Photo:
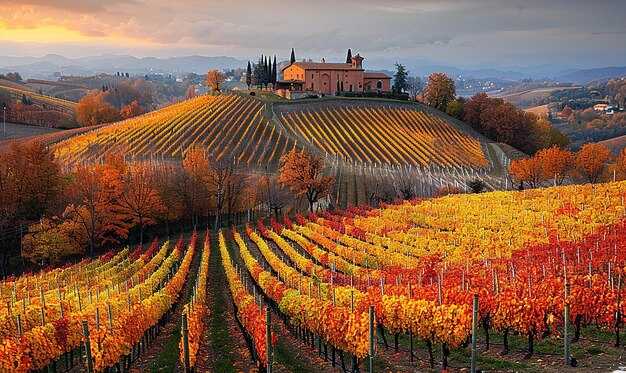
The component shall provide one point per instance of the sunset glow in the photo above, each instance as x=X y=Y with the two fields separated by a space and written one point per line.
x=449 y=30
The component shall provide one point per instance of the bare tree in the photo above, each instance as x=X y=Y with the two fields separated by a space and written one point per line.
x=234 y=191
x=378 y=188
x=414 y=86
x=274 y=195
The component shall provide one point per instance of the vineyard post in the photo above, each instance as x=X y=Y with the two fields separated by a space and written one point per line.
x=565 y=326
x=371 y=335
x=87 y=347
x=185 y=335
x=474 y=331
x=19 y=326
x=268 y=338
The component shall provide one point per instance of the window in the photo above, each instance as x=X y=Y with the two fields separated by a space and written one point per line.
x=312 y=76
x=379 y=85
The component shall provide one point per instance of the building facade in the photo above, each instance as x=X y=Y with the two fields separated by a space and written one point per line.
x=328 y=78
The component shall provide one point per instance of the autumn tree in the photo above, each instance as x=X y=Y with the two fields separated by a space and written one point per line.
x=591 y=161
x=92 y=110
x=192 y=185
x=527 y=170
x=92 y=210
x=47 y=243
x=556 y=163
x=167 y=178
x=214 y=79
x=475 y=107
x=303 y=174
x=9 y=210
x=502 y=122
x=35 y=177
x=139 y=202
x=190 y=92
x=131 y=110
x=440 y=91
x=456 y=108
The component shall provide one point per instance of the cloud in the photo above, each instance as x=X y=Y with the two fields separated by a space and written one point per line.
x=494 y=29
x=609 y=32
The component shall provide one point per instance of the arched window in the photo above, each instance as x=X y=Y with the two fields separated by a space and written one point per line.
x=379 y=85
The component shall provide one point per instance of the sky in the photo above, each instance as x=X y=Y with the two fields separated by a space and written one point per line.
x=571 y=33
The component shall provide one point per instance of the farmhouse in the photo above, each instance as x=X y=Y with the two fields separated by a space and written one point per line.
x=601 y=107
x=328 y=78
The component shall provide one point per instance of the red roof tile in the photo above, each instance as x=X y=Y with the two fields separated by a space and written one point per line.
x=375 y=76
x=324 y=66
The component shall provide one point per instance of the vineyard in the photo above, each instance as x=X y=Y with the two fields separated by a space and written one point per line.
x=227 y=126
x=114 y=304
x=16 y=91
x=385 y=135
x=411 y=286
x=255 y=134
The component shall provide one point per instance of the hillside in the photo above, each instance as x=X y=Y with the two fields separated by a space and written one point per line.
x=378 y=132
x=616 y=144
x=16 y=90
x=255 y=133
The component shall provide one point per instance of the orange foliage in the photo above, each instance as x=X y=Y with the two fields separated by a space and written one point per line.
x=591 y=161
x=214 y=79
x=92 y=110
x=302 y=172
x=555 y=162
x=131 y=110
x=526 y=170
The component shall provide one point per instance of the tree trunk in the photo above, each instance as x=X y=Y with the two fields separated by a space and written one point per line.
x=486 y=328
x=505 y=340
x=577 y=322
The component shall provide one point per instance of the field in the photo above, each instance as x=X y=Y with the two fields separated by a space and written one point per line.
x=540 y=111
x=19 y=131
x=413 y=268
x=528 y=95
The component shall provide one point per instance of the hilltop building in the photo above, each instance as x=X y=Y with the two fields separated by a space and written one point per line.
x=329 y=78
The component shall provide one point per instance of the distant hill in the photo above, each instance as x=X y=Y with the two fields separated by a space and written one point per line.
x=255 y=133
x=44 y=67
x=589 y=75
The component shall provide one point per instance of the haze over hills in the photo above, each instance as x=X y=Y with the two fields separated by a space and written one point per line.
x=46 y=66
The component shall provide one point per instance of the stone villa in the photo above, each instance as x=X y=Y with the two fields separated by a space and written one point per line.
x=329 y=78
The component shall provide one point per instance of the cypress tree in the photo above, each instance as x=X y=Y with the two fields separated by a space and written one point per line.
x=293 y=56
x=267 y=73
x=249 y=75
x=349 y=57
x=274 y=72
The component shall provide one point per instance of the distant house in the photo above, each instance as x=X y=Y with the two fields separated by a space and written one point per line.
x=328 y=78
x=601 y=107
